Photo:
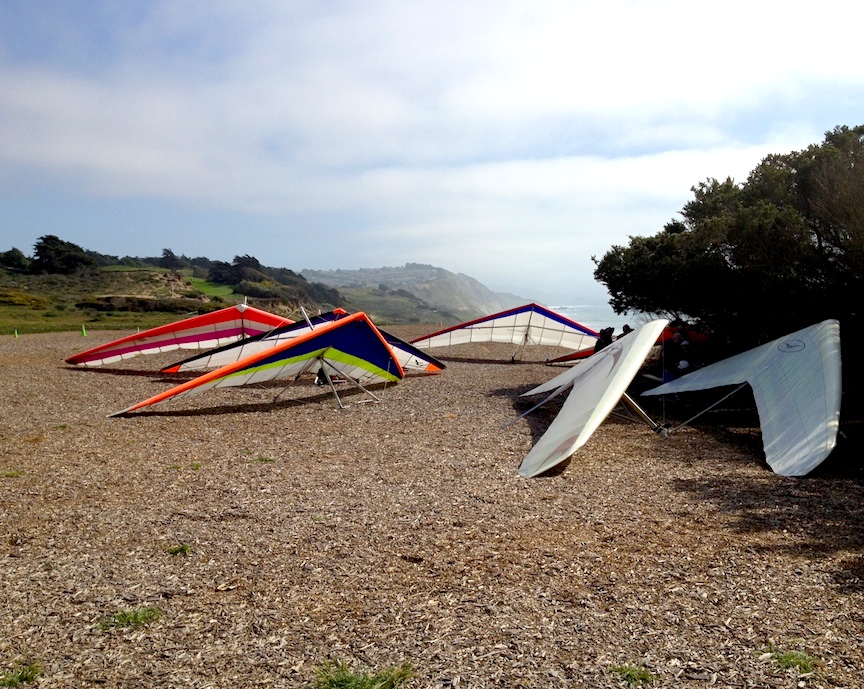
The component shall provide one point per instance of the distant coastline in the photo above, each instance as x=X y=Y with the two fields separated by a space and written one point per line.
x=598 y=316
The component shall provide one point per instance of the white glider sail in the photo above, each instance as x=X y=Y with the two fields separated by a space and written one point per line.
x=796 y=382
x=530 y=324
x=596 y=386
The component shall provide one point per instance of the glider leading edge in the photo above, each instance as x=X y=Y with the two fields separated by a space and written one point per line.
x=796 y=382
x=596 y=386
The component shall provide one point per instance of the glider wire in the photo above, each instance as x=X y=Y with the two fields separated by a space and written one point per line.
x=707 y=409
x=537 y=406
x=305 y=369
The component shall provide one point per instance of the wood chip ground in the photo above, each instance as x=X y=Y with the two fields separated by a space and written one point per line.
x=399 y=531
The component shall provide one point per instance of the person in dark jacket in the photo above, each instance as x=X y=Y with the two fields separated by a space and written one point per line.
x=604 y=340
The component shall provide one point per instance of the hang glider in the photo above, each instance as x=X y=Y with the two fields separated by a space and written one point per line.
x=595 y=387
x=530 y=324
x=350 y=347
x=796 y=383
x=235 y=351
x=409 y=357
x=199 y=332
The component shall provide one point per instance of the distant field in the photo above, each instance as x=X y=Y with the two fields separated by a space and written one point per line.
x=211 y=289
x=25 y=320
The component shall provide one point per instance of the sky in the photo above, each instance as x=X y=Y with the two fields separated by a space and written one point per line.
x=509 y=141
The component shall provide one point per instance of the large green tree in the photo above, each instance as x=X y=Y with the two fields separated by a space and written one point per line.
x=54 y=255
x=759 y=259
x=14 y=259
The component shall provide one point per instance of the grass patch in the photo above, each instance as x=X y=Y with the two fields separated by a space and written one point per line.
x=182 y=549
x=799 y=660
x=262 y=460
x=211 y=289
x=635 y=674
x=21 y=673
x=131 y=618
x=11 y=474
x=196 y=466
x=335 y=674
x=11 y=297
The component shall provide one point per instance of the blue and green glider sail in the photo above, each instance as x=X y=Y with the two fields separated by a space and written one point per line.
x=351 y=347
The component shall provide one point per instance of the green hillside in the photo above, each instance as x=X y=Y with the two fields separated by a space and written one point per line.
x=104 y=299
x=65 y=287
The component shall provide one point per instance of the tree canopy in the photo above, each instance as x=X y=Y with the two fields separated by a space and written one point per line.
x=54 y=255
x=758 y=259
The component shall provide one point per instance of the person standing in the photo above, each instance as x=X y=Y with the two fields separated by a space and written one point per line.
x=672 y=357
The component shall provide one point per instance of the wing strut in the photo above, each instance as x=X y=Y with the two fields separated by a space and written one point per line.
x=305 y=369
x=660 y=430
x=325 y=365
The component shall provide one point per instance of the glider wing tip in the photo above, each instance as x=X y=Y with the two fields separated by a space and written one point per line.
x=530 y=472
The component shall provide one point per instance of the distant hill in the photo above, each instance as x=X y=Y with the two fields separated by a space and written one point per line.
x=452 y=293
x=64 y=284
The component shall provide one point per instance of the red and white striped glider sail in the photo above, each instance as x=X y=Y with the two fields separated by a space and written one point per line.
x=199 y=332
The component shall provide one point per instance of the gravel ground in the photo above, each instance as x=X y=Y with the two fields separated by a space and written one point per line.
x=399 y=531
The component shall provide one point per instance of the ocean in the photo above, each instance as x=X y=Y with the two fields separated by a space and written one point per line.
x=598 y=316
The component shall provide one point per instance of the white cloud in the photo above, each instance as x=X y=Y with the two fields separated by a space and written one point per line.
x=497 y=139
